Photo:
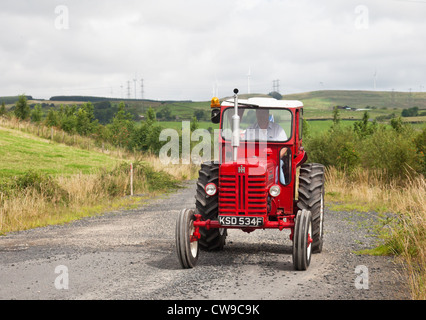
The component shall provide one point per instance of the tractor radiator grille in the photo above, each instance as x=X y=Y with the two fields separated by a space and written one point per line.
x=242 y=194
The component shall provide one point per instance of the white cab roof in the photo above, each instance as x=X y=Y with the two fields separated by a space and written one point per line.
x=265 y=103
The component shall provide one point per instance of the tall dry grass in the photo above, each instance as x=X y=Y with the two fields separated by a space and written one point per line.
x=36 y=200
x=406 y=235
x=30 y=208
x=179 y=171
x=71 y=197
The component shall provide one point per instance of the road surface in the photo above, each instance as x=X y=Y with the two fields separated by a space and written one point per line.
x=131 y=255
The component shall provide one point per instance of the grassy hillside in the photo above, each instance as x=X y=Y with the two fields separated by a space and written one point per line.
x=319 y=104
x=360 y=99
x=45 y=182
x=20 y=152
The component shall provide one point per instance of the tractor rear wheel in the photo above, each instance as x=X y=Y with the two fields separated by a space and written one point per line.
x=207 y=206
x=302 y=241
x=186 y=245
x=311 y=197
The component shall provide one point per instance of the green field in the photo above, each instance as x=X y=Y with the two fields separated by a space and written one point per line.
x=20 y=152
x=315 y=126
x=320 y=104
x=177 y=125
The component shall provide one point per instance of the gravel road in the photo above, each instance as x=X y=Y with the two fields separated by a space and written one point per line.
x=131 y=255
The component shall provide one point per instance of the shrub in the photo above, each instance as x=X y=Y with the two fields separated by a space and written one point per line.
x=399 y=151
x=364 y=128
x=420 y=142
x=36 y=114
x=145 y=178
x=45 y=185
x=393 y=152
x=336 y=147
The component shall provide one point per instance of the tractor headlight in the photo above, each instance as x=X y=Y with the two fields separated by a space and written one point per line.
x=275 y=190
x=211 y=189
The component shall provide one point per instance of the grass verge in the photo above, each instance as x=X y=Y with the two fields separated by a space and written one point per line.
x=46 y=182
x=35 y=199
x=403 y=232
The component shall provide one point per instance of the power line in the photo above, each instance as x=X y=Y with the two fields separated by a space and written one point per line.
x=128 y=89
x=276 y=86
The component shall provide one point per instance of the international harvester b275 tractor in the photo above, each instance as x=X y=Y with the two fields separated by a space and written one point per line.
x=261 y=181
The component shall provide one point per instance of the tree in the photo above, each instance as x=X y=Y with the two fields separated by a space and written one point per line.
x=122 y=114
x=410 y=112
x=305 y=128
x=166 y=113
x=397 y=124
x=276 y=95
x=336 y=116
x=83 y=125
x=69 y=123
x=68 y=118
x=85 y=120
x=364 y=128
x=122 y=128
x=147 y=136
x=52 y=119
x=150 y=115
x=199 y=114
x=22 y=110
x=154 y=142
x=90 y=111
x=194 y=124
x=2 y=109
x=36 y=114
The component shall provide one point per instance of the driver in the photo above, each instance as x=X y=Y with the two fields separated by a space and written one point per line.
x=265 y=130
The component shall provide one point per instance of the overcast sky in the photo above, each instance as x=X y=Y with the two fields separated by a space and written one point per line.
x=184 y=49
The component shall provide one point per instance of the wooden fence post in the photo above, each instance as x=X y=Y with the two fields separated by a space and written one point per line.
x=131 y=179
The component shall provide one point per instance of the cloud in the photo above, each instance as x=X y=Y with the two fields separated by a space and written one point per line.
x=181 y=48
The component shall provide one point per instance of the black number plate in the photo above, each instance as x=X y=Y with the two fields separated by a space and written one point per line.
x=236 y=221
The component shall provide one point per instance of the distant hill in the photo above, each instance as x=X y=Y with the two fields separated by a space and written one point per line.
x=97 y=99
x=12 y=99
x=327 y=99
x=318 y=104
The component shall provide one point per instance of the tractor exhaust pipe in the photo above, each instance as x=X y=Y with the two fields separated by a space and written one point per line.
x=235 y=127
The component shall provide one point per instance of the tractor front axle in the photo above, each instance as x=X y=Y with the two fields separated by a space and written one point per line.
x=280 y=224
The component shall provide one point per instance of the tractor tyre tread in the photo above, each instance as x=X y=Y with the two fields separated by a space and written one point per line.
x=311 y=197
x=207 y=206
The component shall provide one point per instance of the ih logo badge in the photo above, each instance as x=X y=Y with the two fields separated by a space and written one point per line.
x=241 y=169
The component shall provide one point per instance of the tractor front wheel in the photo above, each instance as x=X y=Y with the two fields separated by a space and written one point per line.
x=186 y=242
x=212 y=239
x=302 y=240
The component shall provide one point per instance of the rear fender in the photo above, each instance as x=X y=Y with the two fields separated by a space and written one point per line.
x=300 y=159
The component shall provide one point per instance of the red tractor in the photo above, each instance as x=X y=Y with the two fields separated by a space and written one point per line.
x=261 y=181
